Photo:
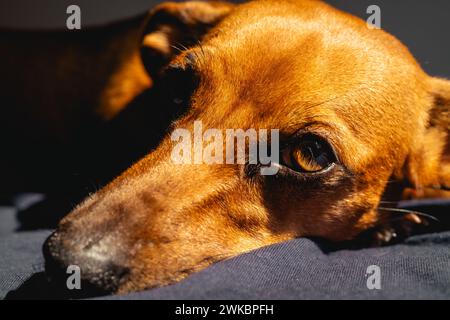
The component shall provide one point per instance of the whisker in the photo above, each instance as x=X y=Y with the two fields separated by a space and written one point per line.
x=197 y=56
x=203 y=55
x=201 y=47
x=176 y=48
x=182 y=46
x=406 y=211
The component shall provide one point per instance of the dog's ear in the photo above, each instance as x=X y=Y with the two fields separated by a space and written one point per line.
x=173 y=26
x=428 y=164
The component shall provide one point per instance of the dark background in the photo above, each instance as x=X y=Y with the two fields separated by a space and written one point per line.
x=301 y=268
x=422 y=25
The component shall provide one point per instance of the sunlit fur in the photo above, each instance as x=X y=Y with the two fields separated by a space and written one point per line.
x=290 y=65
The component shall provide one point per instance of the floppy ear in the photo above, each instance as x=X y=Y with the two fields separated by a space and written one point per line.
x=428 y=165
x=173 y=26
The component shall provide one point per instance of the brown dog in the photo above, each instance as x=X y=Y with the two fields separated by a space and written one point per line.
x=354 y=110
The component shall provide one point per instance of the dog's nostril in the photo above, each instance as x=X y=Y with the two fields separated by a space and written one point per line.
x=99 y=269
x=51 y=252
x=55 y=263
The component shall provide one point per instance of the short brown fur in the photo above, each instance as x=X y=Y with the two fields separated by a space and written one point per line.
x=290 y=65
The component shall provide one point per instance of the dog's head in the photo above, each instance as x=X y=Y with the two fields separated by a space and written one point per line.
x=354 y=111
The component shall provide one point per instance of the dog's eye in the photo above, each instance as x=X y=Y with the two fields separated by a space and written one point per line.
x=312 y=154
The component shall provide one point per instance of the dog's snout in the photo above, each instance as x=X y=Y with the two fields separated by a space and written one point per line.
x=98 y=265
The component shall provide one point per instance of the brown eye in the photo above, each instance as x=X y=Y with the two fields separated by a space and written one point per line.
x=311 y=154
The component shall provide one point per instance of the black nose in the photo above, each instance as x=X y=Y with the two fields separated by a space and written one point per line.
x=98 y=269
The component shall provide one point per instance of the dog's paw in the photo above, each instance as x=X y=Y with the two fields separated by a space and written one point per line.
x=398 y=229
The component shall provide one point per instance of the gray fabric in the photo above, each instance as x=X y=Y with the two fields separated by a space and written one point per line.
x=20 y=252
x=301 y=269
x=20 y=258
x=418 y=268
